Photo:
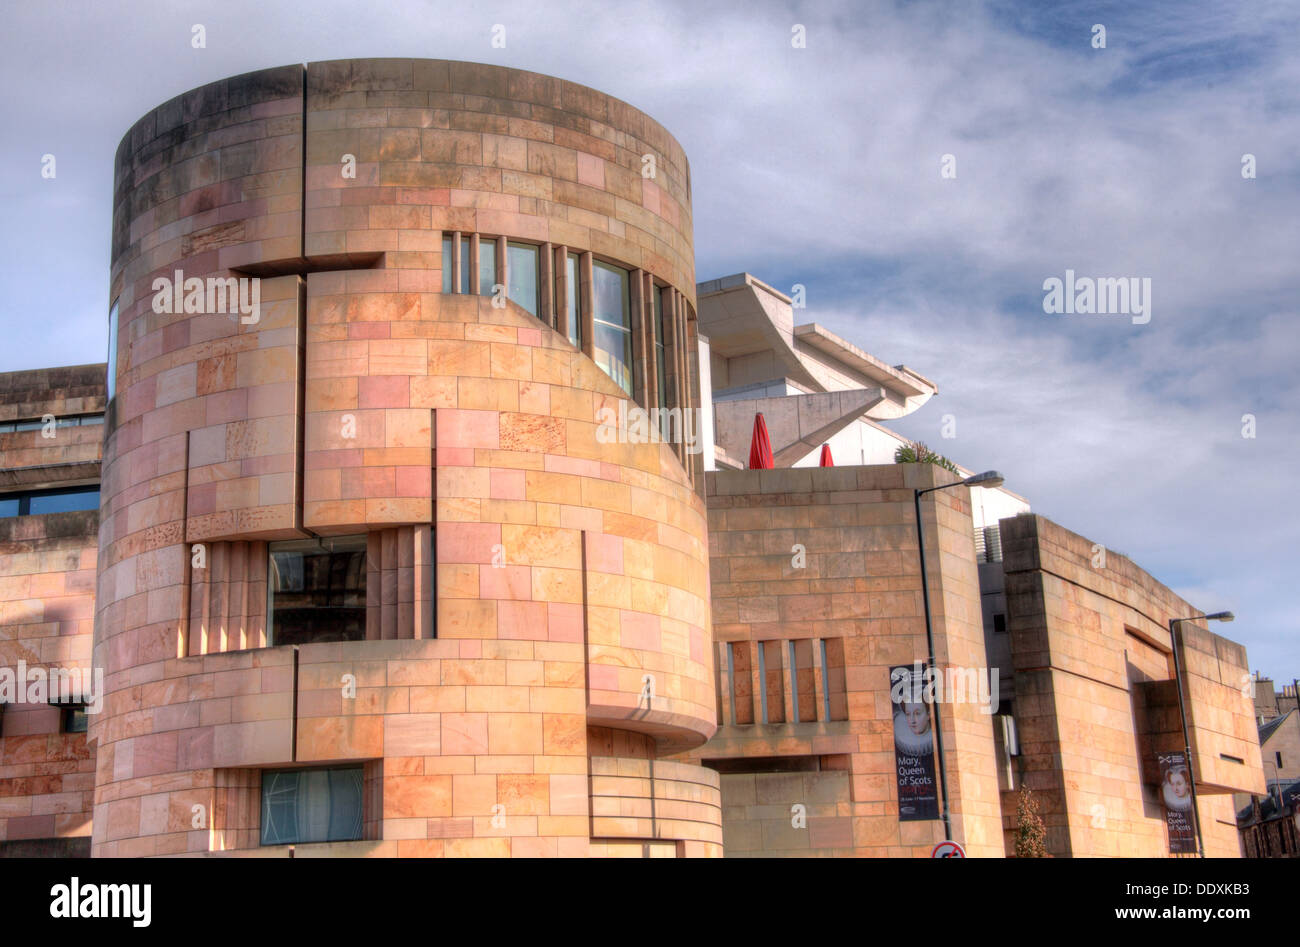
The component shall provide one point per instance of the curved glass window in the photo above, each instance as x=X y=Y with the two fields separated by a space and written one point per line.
x=112 y=351
x=575 y=316
x=312 y=805
x=487 y=266
x=613 y=323
x=521 y=273
x=658 y=320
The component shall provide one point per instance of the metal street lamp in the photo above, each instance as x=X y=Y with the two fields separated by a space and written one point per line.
x=1182 y=712
x=989 y=478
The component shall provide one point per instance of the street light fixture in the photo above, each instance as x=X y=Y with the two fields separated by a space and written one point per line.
x=1182 y=712
x=988 y=479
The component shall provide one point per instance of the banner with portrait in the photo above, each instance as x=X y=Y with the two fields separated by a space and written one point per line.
x=1176 y=793
x=918 y=796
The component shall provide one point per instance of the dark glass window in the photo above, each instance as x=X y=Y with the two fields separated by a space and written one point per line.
x=317 y=590
x=656 y=295
x=311 y=805
x=74 y=719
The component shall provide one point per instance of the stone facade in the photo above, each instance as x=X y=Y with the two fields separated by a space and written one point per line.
x=47 y=595
x=523 y=578
x=1094 y=698
x=570 y=645
x=856 y=587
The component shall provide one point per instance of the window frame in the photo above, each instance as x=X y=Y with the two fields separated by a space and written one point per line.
x=624 y=330
x=535 y=252
x=357 y=767
x=320 y=543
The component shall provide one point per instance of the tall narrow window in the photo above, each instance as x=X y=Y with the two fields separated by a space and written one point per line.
x=466 y=264
x=575 y=291
x=521 y=273
x=317 y=590
x=112 y=351
x=312 y=805
x=658 y=319
x=487 y=266
x=613 y=323
x=446 y=263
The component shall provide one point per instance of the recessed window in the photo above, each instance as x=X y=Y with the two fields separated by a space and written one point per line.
x=575 y=290
x=487 y=266
x=1279 y=759
x=74 y=718
x=656 y=294
x=613 y=323
x=446 y=264
x=521 y=273
x=316 y=590
x=466 y=263
x=112 y=352
x=38 y=502
x=311 y=805
x=999 y=622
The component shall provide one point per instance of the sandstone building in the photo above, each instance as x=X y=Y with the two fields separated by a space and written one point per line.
x=367 y=569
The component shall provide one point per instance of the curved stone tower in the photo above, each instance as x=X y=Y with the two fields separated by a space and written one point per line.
x=373 y=577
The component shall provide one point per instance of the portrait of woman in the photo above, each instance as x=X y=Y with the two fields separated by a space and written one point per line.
x=1177 y=788
x=912 y=734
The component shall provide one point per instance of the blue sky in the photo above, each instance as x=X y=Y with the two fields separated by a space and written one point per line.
x=820 y=166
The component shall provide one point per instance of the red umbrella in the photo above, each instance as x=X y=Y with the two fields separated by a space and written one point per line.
x=760 y=448
x=826 y=457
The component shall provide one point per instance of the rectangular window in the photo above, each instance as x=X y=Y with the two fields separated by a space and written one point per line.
x=1279 y=759
x=74 y=718
x=316 y=590
x=613 y=323
x=311 y=805
x=575 y=291
x=521 y=274
x=466 y=264
x=39 y=502
x=112 y=351
x=656 y=295
x=487 y=266
x=446 y=263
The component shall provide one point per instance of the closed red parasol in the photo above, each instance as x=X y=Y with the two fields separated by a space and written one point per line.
x=826 y=457
x=760 y=448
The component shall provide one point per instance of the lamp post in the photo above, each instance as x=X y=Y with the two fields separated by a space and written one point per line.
x=1182 y=712
x=990 y=478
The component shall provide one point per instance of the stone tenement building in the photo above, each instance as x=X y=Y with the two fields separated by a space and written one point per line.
x=376 y=574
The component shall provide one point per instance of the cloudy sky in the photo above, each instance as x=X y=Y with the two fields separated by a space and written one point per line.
x=821 y=166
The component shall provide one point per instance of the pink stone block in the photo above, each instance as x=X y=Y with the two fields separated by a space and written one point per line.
x=521 y=621
x=507 y=484
x=506 y=582
x=564 y=621
x=605 y=553
x=463 y=428
x=384 y=391
x=467 y=542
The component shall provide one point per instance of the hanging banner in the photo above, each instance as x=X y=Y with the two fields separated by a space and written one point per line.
x=1176 y=791
x=918 y=797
